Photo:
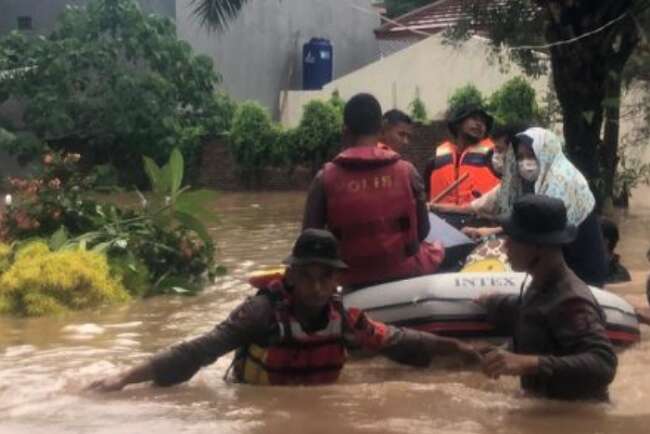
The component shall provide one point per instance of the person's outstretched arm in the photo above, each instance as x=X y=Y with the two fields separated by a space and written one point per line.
x=179 y=363
x=400 y=344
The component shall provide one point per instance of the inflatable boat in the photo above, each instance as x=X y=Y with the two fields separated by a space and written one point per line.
x=444 y=304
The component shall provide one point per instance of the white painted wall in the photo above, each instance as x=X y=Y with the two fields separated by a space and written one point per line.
x=430 y=67
x=260 y=54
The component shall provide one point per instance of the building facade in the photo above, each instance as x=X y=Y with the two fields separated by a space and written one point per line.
x=39 y=16
x=259 y=55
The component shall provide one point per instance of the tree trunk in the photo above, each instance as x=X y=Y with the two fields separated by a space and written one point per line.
x=609 y=151
x=579 y=82
x=586 y=74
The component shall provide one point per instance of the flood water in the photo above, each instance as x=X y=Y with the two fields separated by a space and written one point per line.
x=44 y=363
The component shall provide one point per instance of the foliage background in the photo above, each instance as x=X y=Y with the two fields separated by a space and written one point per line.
x=113 y=84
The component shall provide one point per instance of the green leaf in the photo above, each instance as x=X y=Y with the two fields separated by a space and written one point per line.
x=176 y=285
x=58 y=239
x=102 y=247
x=199 y=203
x=176 y=168
x=154 y=174
x=192 y=223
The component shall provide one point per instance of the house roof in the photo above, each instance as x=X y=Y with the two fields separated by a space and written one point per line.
x=429 y=19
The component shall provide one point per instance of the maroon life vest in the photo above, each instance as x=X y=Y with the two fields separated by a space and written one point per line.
x=371 y=209
x=291 y=355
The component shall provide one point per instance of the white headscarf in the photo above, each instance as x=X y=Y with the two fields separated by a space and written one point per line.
x=558 y=178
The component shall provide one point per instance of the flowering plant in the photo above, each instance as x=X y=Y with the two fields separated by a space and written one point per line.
x=160 y=248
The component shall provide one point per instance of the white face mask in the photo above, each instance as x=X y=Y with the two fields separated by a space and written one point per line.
x=529 y=169
x=498 y=161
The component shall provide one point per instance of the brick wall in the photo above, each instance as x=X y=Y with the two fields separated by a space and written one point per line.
x=425 y=138
x=219 y=171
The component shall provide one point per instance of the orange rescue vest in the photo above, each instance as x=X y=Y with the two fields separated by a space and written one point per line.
x=291 y=355
x=449 y=167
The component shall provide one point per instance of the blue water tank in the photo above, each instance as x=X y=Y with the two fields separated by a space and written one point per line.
x=317 y=63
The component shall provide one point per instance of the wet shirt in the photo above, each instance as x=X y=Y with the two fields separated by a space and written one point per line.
x=252 y=323
x=560 y=321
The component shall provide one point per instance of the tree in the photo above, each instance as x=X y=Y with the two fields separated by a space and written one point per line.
x=589 y=43
x=216 y=14
x=112 y=84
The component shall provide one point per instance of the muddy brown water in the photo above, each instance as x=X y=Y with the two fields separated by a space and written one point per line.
x=45 y=362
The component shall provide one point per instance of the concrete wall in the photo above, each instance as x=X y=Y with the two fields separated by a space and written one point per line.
x=428 y=68
x=45 y=12
x=259 y=55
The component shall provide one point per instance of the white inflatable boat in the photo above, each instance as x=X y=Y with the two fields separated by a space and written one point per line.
x=443 y=304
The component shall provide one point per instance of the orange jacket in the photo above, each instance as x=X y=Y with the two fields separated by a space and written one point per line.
x=449 y=166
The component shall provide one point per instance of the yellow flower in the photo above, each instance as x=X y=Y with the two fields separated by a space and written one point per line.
x=41 y=282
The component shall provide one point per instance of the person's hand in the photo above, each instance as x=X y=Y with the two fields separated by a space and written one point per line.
x=439 y=207
x=447 y=208
x=484 y=348
x=502 y=362
x=469 y=352
x=479 y=233
x=473 y=233
x=113 y=383
x=642 y=315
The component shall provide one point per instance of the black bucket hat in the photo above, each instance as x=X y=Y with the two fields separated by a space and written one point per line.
x=316 y=246
x=461 y=113
x=539 y=219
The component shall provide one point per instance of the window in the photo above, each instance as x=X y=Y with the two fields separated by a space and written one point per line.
x=24 y=23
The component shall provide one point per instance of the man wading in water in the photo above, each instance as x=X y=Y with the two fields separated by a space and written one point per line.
x=561 y=350
x=295 y=331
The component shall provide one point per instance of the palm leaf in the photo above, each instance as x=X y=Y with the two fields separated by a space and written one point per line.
x=217 y=14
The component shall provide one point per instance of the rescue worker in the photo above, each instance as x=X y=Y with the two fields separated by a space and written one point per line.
x=560 y=349
x=485 y=206
x=396 y=131
x=374 y=203
x=295 y=331
x=468 y=155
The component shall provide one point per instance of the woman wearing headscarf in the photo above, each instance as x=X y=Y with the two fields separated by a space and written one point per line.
x=541 y=167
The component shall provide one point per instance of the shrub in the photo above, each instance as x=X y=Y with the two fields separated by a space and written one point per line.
x=338 y=103
x=161 y=248
x=514 y=103
x=318 y=136
x=42 y=282
x=418 y=110
x=468 y=94
x=253 y=137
